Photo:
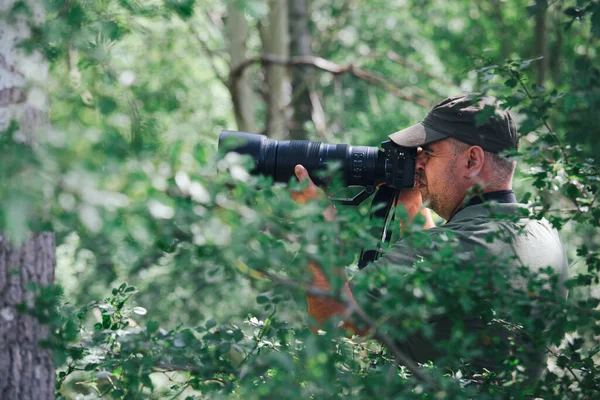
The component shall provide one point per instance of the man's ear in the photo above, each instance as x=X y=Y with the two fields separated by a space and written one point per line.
x=475 y=159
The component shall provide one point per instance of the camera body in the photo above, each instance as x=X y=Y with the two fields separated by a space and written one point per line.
x=366 y=166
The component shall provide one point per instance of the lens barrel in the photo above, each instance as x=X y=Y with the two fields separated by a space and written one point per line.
x=360 y=165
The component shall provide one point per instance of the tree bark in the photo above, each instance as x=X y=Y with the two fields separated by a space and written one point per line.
x=26 y=370
x=275 y=38
x=554 y=58
x=539 y=41
x=502 y=31
x=300 y=45
x=241 y=92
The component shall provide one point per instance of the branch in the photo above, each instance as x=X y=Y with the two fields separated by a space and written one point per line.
x=328 y=66
x=208 y=52
x=399 y=356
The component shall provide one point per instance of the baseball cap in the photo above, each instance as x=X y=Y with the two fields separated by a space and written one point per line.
x=455 y=117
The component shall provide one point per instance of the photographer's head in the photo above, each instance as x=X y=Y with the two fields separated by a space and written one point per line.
x=458 y=153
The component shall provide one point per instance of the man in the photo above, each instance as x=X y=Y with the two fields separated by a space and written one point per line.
x=459 y=155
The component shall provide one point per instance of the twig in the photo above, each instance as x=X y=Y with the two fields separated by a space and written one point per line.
x=593 y=200
x=262 y=333
x=178 y=393
x=566 y=365
x=564 y=210
x=552 y=133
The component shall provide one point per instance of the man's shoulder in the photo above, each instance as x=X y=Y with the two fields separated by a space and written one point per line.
x=496 y=228
x=511 y=217
x=490 y=212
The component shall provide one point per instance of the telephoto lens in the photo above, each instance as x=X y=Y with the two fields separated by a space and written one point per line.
x=360 y=165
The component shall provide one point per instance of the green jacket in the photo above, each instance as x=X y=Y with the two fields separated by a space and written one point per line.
x=517 y=242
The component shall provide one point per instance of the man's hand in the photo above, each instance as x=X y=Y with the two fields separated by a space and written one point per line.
x=411 y=199
x=413 y=202
x=310 y=193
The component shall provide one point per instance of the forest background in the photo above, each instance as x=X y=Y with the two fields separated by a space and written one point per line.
x=111 y=115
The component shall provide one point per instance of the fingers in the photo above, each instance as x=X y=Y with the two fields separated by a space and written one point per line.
x=301 y=172
x=311 y=192
x=302 y=175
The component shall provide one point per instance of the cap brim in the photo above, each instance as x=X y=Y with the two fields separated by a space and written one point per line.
x=415 y=136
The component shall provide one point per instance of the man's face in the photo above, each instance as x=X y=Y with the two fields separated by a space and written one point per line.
x=438 y=179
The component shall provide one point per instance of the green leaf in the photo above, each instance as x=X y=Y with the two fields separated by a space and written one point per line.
x=152 y=326
x=107 y=105
x=75 y=15
x=262 y=299
x=146 y=381
x=483 y=116
x=525 y=199
x=20 y=7
x=90 y=367
x=238 y=335
x=211 y=323
x=225 y=347
x=574 y=12
x=184 y=8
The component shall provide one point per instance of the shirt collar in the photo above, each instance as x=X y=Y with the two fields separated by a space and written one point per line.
x=500 y=196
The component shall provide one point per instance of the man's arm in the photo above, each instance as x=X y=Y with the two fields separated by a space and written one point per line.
x=322 y=308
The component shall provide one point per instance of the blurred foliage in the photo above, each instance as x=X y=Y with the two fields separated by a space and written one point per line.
x=129 y=180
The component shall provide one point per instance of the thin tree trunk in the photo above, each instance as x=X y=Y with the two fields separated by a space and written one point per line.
x=539 y=42
x=554 y=56
x=26 y=370
x=300 y=45
x=241 y=91
x=502 y=31
x=275 y=39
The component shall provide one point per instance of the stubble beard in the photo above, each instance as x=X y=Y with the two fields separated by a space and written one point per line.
x=431 y=201
x=435 y=200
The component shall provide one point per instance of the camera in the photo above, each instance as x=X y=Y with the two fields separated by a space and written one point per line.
x=365 y=166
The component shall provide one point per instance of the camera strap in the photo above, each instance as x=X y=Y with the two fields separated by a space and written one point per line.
x=381 y=206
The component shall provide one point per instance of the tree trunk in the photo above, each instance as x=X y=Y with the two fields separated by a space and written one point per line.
x=241 y=91
x=554 y=56
x=502 y=30
x=26 y=370
x=275 y=38
x=300 y=45
x=539 y=42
